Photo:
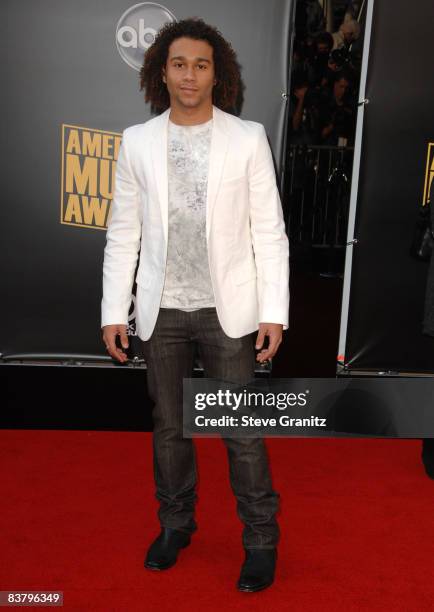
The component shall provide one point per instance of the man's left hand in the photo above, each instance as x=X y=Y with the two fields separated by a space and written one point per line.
x=274 y=333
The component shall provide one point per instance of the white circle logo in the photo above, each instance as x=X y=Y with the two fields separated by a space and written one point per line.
x=137 y=28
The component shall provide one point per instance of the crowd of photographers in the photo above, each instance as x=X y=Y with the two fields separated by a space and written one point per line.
x=325 y=77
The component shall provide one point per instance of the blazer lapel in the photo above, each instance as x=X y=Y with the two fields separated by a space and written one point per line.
x=159 y=162
x=217 y=156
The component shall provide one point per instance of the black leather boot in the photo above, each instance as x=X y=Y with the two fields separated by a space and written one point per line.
x=163 y=552
x=257 y=571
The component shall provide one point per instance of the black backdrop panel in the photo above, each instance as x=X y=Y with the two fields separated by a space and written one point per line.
x=387 y=285
x=67 y=72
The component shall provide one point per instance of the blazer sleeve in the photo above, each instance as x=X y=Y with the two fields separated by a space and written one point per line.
x=269 y=239
x=122 y=240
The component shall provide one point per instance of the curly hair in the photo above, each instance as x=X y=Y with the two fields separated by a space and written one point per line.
x=227 y=93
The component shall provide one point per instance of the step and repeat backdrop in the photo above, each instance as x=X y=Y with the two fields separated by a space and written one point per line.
x=70 y=86
x=391 y=306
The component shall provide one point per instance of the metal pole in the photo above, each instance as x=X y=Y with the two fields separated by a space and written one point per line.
x=354 y=186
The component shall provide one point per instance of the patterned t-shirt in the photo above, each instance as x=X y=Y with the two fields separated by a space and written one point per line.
x=187 y=283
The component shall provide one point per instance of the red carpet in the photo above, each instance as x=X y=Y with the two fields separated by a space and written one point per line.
x=78 y=512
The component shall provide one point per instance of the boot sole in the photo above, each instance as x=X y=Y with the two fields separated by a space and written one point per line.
x=167 y=566
x=253 y=590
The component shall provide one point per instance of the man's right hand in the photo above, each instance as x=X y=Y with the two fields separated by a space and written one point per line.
x=300 y=92
x=109 y=338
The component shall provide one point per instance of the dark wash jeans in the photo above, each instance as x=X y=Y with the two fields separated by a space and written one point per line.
x=170 y=353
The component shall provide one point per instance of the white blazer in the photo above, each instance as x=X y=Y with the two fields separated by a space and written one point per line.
x=248 y=250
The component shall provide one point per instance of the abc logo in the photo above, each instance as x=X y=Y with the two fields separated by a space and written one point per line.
x=137 y=28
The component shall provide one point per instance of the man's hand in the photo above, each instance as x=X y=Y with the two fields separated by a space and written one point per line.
x=274 y=333
x=300 y=92
x=109 y=338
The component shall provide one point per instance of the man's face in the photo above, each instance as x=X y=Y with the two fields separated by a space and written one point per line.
x=189 y=72
x=323 y=48
x=340 y=87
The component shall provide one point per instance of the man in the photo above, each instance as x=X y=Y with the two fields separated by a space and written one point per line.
x=336 y=113
x=195 y=188
x=318 y=63
x=349 y=31
x=303 y=111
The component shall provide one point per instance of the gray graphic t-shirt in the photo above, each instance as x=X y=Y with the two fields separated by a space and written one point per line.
x=187 y=284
